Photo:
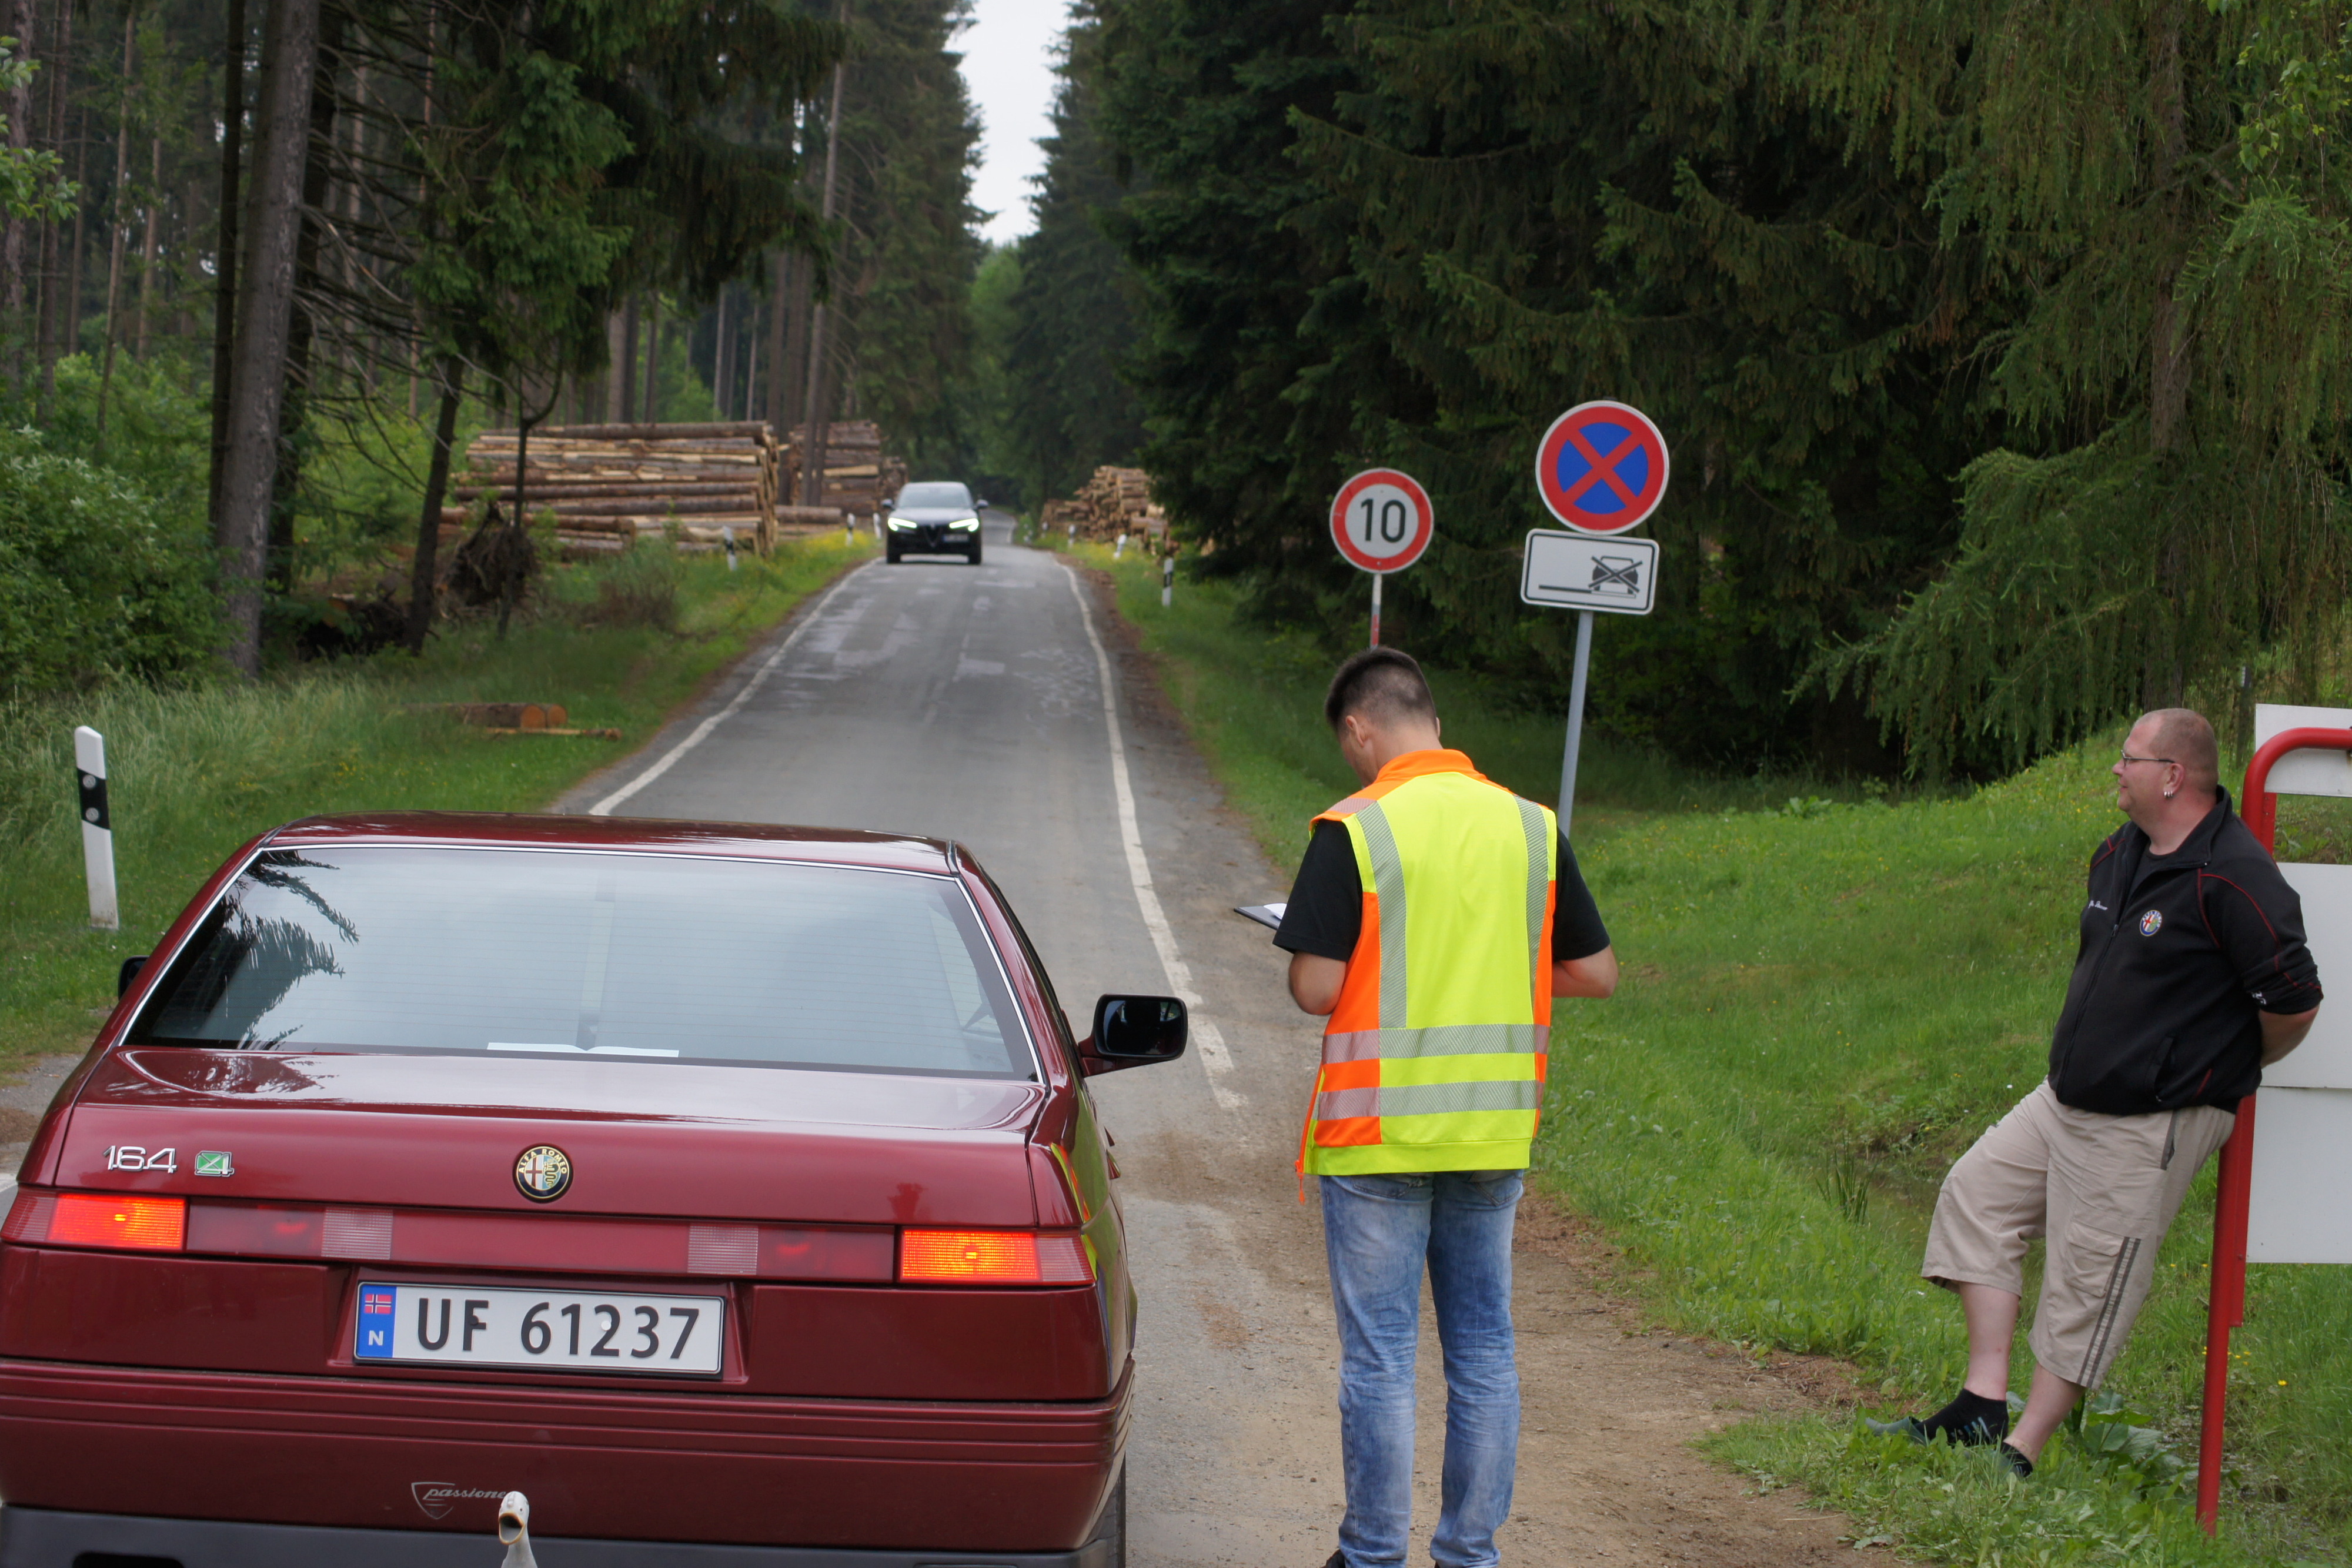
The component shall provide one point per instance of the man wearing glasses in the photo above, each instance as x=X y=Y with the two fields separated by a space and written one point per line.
x=2192 y=978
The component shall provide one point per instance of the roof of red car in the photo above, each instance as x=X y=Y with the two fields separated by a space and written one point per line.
x=838 y=846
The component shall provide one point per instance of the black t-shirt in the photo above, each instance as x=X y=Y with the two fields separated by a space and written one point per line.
x=1326 y=913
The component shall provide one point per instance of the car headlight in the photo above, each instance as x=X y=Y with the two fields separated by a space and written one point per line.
x=900 y=523
x=965 y=523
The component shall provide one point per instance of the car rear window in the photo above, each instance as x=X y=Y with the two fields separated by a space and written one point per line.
x=566 y=954
x=935 y=495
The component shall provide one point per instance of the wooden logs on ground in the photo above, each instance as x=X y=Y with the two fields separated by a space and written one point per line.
x=499 y=716
x=606 y=484
x=1114 y=501
x=858 y=478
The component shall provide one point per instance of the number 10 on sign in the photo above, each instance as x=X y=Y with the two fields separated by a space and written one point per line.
x=1382 y=521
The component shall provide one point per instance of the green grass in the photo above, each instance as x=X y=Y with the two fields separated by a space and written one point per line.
x=194 y=773
x=1825 y=1001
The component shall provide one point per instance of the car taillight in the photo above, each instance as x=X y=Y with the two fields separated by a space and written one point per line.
x=992 y=1257
x=105 y=1219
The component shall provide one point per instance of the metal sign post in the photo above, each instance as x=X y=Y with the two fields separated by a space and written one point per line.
x=2262 y=1204
x=1383 y=521
x=1600 y=468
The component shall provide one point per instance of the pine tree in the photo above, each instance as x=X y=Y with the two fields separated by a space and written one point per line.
x=1073 y=316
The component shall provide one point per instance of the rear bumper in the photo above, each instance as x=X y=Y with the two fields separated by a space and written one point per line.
x=922 y=1483
x=40 y=1538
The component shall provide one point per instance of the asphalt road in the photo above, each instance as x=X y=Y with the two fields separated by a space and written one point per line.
x=937 y=697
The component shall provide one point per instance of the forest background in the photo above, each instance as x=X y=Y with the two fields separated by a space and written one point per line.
x=2002 y=351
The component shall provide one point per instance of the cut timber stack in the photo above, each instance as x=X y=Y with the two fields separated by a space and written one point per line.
x=608 y=484
x=1114 y=501
x=857 y=478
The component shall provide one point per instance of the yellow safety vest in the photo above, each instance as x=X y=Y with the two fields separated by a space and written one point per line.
x=1434 y=1059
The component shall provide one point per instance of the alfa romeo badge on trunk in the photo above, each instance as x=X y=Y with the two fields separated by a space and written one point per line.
x=542 y=1172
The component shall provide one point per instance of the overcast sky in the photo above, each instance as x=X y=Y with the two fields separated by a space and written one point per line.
x=1008 y=62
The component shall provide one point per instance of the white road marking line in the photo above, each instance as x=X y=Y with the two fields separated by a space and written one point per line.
x=1214 y=1057
x=701 y=732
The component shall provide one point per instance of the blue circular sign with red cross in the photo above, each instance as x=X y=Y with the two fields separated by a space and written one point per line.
x=1601 y=468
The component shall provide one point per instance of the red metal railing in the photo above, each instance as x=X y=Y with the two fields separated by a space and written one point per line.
x=2226 y=1303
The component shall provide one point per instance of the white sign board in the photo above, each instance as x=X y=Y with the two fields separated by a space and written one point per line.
x=2302 y=1155
x=2305 y=772
x=1588 y=571
x=2302 y=1118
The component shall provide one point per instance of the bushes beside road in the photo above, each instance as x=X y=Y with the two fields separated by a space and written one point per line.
x=1826 y=1000
x=198 y=769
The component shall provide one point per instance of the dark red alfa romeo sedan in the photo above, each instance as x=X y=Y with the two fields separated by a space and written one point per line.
x=733 y=1193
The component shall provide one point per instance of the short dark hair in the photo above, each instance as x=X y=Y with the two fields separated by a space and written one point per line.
x=2187 y=736
x=1381 y=686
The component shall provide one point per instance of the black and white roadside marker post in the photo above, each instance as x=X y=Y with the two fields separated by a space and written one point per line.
x=96 y=829
x=1602 y=469
x=1383 y=521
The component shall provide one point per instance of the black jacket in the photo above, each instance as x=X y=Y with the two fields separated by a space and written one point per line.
x=2180 y=952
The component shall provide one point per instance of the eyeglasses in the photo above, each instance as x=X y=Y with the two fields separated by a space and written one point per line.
x=2170 y=761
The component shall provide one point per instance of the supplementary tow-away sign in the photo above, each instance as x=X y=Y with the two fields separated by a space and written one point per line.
x=1601 y=468
x=1580 y=571
x=1382 y=520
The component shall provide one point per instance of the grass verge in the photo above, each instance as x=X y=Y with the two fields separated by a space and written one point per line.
x=196 y=773
x=1826 y=1000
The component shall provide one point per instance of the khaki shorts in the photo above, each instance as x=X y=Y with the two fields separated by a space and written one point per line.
x=2104 y=1190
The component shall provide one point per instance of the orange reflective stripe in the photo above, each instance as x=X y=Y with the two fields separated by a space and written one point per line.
x=1347 y=1133
x=1358 y=1007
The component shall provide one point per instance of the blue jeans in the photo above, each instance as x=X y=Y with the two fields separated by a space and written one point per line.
x=1379 y=1232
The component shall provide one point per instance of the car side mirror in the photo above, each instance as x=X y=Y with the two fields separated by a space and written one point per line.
x=125 y=975
x=1134 y=1031
x=981 y=505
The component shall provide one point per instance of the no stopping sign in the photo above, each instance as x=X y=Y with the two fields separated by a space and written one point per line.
x=1601 y=468
x=1382 y=520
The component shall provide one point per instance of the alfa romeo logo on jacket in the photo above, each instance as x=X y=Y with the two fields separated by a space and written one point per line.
x=2151 y=923
x=543 y=1173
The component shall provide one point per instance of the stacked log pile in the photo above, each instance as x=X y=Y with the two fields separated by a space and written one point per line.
x=1114 y=501
x=857 y=478
x=607 y=484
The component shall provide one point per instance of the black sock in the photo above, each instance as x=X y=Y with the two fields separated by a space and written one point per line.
x=1970 y=1418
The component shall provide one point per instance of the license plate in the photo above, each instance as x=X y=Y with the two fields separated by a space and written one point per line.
x=576 y=1331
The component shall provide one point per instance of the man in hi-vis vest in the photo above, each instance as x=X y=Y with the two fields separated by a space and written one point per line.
x=1436 y=916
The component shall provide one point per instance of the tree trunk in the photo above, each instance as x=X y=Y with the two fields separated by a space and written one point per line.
x=722 y=357
x=12 y=249
x=52 y=286
x=782 y=381
x=302 y=329
x=225 y=247
x=74 y=290
x=147 y=246
x=436 y=490
x=2168 y=393
x=121 y=214
x=813 y=475
x=265 y=315
x=627 y=371
x=615 y=365
x=653 y=360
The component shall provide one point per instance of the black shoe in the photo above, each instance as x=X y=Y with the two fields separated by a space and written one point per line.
x=1971 y=1420
x=1337 y=1560
x=2018 y=1465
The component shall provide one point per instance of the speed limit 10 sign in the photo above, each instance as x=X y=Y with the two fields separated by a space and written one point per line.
x=1382 y=521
